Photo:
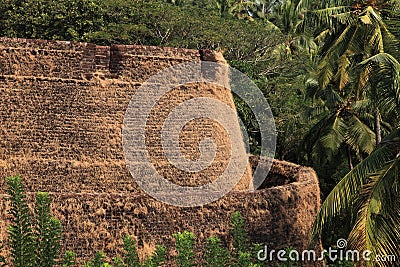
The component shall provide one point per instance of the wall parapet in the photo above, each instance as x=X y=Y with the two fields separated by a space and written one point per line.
x=79 y=60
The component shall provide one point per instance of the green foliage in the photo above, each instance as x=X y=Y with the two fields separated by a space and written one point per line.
x=371 y=191
x=21 y=235
x=69 y=259
x=185 y=247
x=215 y=254
x=158 y=257
x=48 y=232
x=34 y=239
x=99 y=260
x=243 y=259
x=352 y=88
x=62 y=20
x=356 y=98
x=156 y=22
x=243 y=252
x=240 y=241
x=131 y=257
x=118 y=262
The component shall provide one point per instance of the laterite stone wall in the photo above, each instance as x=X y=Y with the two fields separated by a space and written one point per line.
x=62 y=105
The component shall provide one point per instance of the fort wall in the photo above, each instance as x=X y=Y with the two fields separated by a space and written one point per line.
x=62 y=106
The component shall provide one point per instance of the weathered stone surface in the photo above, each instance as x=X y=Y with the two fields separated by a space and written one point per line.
x=62 y=106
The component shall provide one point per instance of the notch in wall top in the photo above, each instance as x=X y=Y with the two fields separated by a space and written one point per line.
x=212 y=56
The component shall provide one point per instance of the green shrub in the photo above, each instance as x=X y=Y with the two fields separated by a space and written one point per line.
x=216 y=255
x=239 y=234
x=118 y=262
x=185 y=248
x=69 y=259
x=47 y=233
x=21 y=236
x=158 y=257
x=244 y=260
x=131 y=257
x=34 y=239
x=240 y=237
x=99 y=260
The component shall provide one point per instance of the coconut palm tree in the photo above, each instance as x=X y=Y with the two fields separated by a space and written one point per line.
x=370 y=191
x=343 y=128
x=355 y=67
x=352 y=32
x=345 y=122
x=287 y=18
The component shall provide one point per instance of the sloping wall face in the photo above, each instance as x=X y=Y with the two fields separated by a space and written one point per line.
x=62 y=106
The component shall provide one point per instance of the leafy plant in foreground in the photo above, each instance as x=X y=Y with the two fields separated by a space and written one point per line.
x=216 y=255
x=185 y=248
x=21 y=237
x=239 y=235
x=48 y=232
x=69 y=259
x=131 y=257
x=34 y=239
x=99 y=260
x=158 y=257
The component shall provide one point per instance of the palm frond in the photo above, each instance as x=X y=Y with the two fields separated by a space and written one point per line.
x=375 y=41
x=384 y=80
x=325 y=73
x=377 y=225
x=322 y=35
x=342 y=75
x=345 y=17
x=335 y=135
x=342 y=196
x=327 y=15
x=360 y=136
x=337 y=57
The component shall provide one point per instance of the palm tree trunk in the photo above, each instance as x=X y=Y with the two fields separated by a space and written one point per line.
x=378 y=133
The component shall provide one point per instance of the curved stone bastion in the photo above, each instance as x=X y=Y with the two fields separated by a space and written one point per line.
x=62 y=107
